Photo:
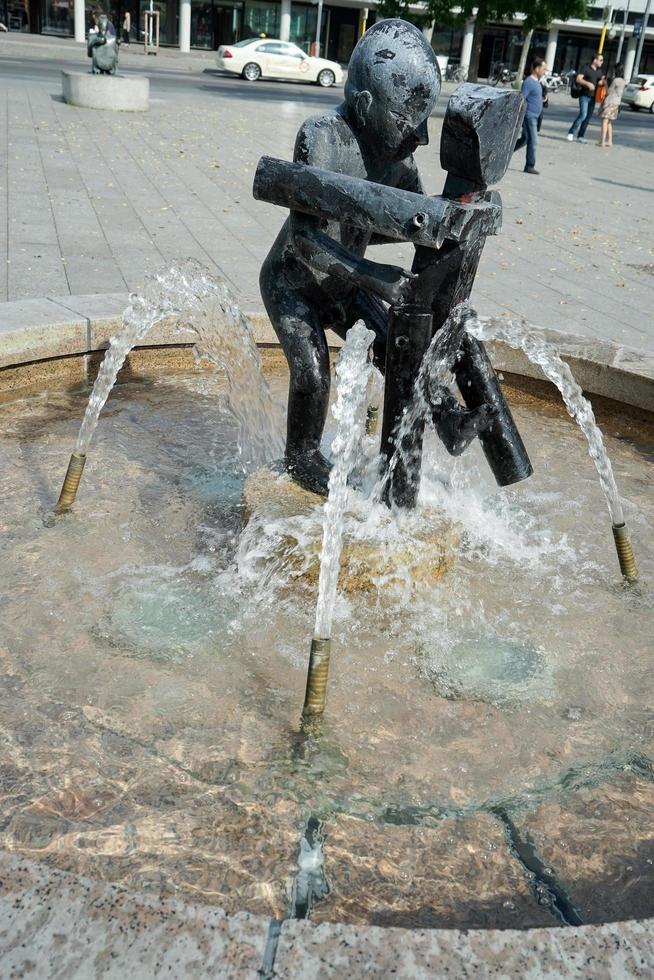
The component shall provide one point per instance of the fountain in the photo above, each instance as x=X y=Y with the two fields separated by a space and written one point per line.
x=104 y=88
x=486 y=760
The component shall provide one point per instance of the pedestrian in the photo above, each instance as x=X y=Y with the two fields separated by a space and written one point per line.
x=611 y=106
x=587 y=80
x=127 y=26
x=532 y=92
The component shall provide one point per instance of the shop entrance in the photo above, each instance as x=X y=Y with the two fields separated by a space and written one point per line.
x=214 y=23
x=343 y=29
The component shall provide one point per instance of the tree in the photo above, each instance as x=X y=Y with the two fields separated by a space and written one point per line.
x=400 y=8
x=537 y=13
x=526 y=44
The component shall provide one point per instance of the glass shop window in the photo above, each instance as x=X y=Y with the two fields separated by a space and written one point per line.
x=304 y=21
x=261 y=19
x=58 y=17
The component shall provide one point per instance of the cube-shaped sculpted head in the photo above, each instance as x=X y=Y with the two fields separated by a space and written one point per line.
x=393 y=83
x=479 y=133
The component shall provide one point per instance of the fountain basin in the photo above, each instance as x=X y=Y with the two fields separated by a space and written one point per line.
x=80 y=813
x=112 y=93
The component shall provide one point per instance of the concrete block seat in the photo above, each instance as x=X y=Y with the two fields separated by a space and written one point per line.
x=115 y=93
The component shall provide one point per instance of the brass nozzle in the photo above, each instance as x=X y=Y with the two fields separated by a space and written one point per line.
x=71 y=483
x=316 y=693
x=372 y=418
x=625 y=553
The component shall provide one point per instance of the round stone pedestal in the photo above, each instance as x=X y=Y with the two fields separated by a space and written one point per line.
x=115 y=93
x=425 y=557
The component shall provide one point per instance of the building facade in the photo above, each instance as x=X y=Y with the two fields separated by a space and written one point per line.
x=564 y=44
x=206 y=24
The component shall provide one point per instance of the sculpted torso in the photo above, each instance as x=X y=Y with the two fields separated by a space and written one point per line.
x=328 y=141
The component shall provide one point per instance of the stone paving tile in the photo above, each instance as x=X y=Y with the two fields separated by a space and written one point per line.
x=35 y=270
x=600 y=843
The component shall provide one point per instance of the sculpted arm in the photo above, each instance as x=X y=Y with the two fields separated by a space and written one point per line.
x=409 y=181
x=325 y=254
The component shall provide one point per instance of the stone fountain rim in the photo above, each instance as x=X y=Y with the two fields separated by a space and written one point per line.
x=44 y=329
x=38 y=330
x=86 y=920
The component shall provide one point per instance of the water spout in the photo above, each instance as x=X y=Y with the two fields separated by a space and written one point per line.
x=348 y=410
x=71 y=483
x=521 y=337
x=205 y=312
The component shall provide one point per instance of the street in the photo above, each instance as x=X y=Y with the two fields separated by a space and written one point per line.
x=635 y=129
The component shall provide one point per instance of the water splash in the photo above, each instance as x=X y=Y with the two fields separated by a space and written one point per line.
x=204 y=308
x=522 y=337
x=310 y=883
x=352 y=373
x=435 y=372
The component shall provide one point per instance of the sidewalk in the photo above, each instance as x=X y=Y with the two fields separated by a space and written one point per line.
x=15 y=44
x=91 y=202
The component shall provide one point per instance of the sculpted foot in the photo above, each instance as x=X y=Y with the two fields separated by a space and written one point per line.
x=310 y=470
x=457 y=428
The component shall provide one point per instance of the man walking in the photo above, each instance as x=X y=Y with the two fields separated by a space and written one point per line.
x=532 y=92
x=588 y=79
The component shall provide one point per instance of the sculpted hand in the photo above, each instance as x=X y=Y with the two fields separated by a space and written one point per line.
x=392 y=283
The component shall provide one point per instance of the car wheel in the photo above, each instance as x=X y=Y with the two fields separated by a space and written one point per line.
x=251 y=72
x=326 y=78
x=651 y=108
x=634 y=108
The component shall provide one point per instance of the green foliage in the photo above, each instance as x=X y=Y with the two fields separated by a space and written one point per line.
x=538 y=13
x=400 y=8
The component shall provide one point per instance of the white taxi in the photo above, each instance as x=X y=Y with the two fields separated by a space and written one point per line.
x=256 y=58
x=639 y=94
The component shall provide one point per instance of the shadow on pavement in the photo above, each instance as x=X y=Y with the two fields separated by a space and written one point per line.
x=619 y=183
x=270 y=93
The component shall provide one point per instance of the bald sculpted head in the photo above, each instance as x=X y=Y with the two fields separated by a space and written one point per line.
x=392 y=86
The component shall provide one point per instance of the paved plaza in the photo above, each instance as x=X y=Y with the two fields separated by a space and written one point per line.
x=91 y=202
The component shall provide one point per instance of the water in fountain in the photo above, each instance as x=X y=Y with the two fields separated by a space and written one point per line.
x=521 y=336
x=202 y=308
x=149 y=686
x=352 y=374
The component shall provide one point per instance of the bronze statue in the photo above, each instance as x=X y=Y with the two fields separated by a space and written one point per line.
x=101 y=48
x=354 y=183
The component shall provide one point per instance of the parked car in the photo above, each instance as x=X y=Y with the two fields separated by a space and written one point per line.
x=639 y=94
x=269 y=57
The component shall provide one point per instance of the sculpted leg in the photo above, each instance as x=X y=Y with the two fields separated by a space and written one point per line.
x=456 y=426
x=303 y=342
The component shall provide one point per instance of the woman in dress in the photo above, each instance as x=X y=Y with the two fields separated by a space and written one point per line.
x=611 y=106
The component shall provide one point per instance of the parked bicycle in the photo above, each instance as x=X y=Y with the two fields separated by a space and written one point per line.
x=556 y=82
x=455 y=73
x=501 y=74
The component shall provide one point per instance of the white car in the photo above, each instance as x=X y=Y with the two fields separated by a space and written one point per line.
x=268 y=57
x=639 y=94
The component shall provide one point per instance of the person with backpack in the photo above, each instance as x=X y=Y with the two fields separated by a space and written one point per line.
x=532 y=92
x=583 y=88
